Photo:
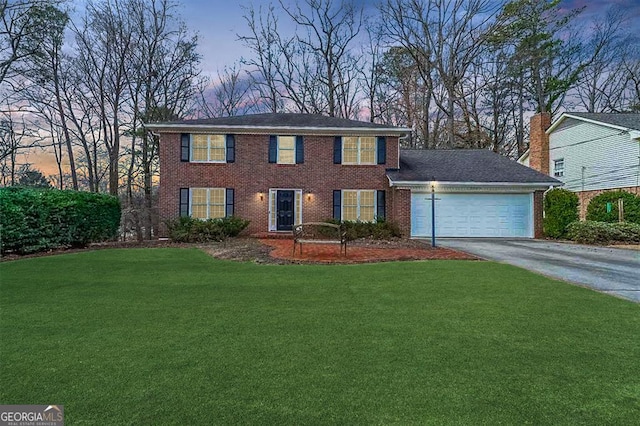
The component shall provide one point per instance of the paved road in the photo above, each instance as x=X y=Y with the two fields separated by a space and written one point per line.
x=609 y=270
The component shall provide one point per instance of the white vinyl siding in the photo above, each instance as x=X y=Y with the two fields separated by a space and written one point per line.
x=595 y=156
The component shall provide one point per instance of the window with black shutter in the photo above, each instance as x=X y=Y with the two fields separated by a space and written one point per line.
x=185 y=150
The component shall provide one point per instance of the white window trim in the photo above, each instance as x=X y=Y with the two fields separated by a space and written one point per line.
x=224 y=137
x=295 y=147
x=359 y=191
x=273 y=218
x=224 y=193
x=558 y=172
x=359 y=162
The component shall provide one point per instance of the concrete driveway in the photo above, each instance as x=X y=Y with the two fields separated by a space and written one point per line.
x=608 y=270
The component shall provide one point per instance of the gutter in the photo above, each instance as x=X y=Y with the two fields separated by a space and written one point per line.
x=474 y=184
x=182 y=128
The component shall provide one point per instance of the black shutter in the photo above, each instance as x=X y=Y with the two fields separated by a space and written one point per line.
x=184 y=202
x=299 y=150
x=229 y=202
x=337 y=204
x=231 y=149
x=380 y=205
x=273 y=149
x=337 y=150
x=382 y=149
x=184 y=147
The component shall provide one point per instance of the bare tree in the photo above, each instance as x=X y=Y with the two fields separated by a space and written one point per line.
x=443 y=38
x=313 y=71
x=600 y=87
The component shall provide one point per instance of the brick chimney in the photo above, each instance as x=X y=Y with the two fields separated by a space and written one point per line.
x=539 y=142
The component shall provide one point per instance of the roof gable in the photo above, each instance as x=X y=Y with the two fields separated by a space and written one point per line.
x=620 y=121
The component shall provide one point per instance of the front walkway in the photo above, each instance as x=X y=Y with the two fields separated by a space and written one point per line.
x=330 y=253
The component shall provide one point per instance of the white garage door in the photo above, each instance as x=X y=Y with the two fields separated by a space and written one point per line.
x=473 y=215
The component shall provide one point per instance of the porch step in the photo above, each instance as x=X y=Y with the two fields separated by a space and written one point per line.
x=273 y=235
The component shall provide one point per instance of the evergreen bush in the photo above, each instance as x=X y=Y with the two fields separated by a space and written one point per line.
x=190 y=230
x=38 y=219
x=560 y=209
x=597 y=208
x=590 y=232
x=379 y=230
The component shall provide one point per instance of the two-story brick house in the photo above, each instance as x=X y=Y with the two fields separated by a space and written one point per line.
x=277 y=170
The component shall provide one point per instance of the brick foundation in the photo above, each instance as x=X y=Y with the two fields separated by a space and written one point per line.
x=584 y=197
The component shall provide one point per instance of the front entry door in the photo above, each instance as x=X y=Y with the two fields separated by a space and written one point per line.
x=284 y=207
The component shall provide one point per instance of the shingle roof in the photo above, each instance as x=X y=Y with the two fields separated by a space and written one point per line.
x=463 y=165
x=629 y=121
x=287 y=120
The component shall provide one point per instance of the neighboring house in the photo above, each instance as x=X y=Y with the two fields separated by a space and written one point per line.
x=277 y=170
x=588 y=152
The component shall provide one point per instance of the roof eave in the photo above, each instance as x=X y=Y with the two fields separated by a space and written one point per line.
x=586 y=120
x=190 y=128
x=446 y=184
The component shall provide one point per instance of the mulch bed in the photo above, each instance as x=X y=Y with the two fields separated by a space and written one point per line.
x=363 y=251
x=271 y=251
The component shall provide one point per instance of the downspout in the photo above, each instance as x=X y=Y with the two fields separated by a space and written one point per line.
x=544 y=195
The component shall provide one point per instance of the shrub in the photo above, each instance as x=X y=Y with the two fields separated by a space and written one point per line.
x=191 y=230
x=560 y=209
x=378 y=230
x=597 y=209
x=33 y=220
x=590 y=232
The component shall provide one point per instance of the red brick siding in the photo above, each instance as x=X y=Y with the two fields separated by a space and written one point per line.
x=585 y=197
x=252 y=174
x=539 y=142
x=401 y=210
x=538 y=209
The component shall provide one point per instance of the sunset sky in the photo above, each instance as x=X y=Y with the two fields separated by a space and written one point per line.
x=218 y=23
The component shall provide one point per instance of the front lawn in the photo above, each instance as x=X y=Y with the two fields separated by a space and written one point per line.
x=172 y=336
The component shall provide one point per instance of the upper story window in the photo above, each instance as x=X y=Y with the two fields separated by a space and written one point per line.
x=360 y=150
x=286 y=149
x=207 y=148
x=558 y=167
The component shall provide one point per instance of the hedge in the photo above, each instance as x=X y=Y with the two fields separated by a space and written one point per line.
x=190 y=230
x=597 y=208
x=378 y=230
x=560 y=209
x=36 y=219
x=591 y=232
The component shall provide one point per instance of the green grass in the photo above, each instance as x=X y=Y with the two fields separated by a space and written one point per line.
x=172 y=336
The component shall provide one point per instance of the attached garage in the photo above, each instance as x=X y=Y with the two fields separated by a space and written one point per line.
x=473 y=215
x=478 y=194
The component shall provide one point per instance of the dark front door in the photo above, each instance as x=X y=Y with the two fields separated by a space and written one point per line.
x=284 y=205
